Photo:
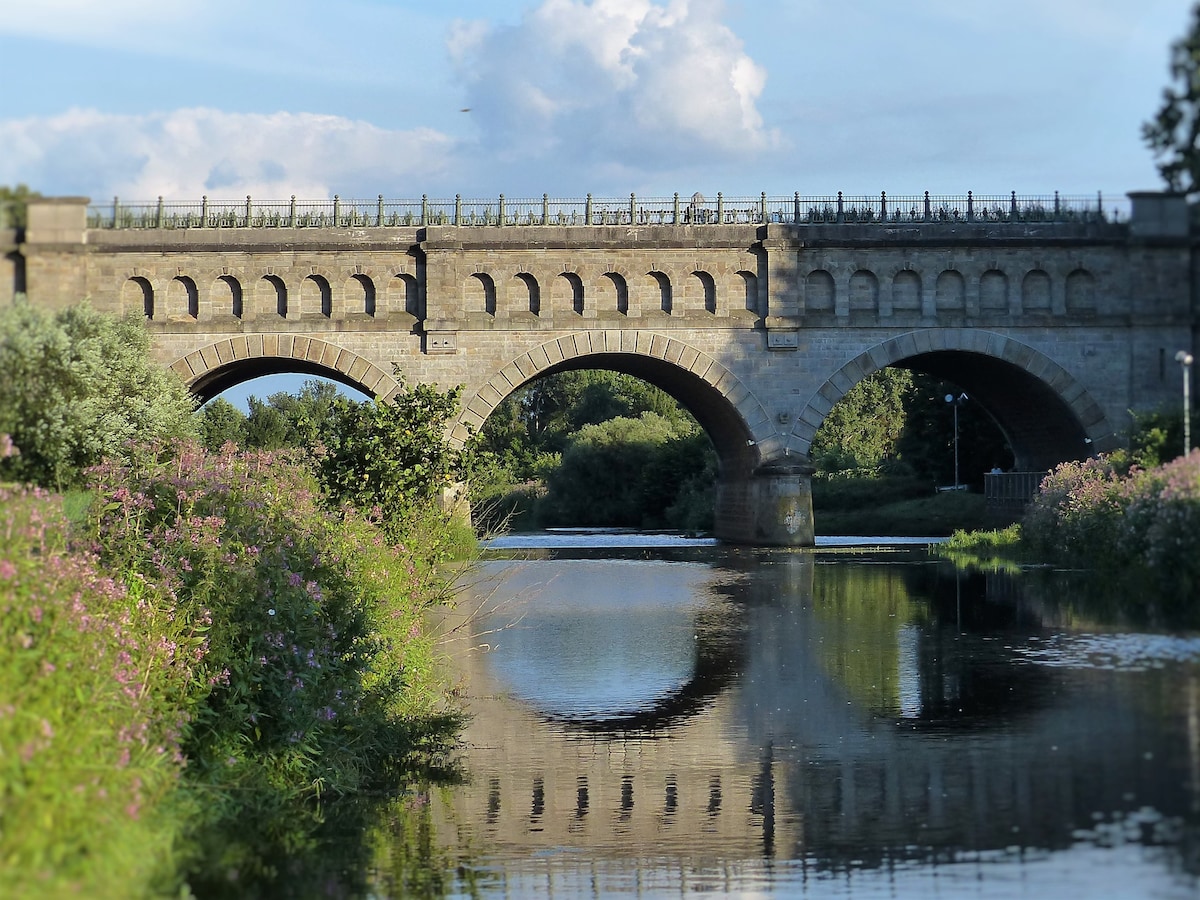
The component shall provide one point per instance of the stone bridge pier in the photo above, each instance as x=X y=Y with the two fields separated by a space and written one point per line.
x=1056 y=320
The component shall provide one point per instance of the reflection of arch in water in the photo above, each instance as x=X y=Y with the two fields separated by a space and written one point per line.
x=614 y=652
x=720 y=651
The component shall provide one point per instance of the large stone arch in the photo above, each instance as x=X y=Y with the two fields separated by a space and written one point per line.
x=222 y=364
x=1046 y=414
x=735 y=420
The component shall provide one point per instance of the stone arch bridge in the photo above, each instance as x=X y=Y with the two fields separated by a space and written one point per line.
x=1059 y=320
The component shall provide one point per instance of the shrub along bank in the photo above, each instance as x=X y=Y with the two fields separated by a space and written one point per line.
x=1137 y=528
x=200 y=650
x=192 y=666
x=1143 y=523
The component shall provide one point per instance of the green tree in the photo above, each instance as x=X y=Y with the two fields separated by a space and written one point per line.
x=221 y=422
x=1174 y=132
x=628 y=472
x=862 y=429
x=79 y=386
x=12 y=205
x=394 y=458
x=300 y=420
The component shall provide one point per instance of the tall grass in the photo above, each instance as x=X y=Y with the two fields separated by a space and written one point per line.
x=228 y=651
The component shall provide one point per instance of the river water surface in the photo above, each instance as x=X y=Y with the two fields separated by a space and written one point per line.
x=655 y=717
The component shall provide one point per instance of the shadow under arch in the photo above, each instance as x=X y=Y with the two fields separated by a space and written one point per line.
x=732 y=417
x=1044 y=413
x=212 y=369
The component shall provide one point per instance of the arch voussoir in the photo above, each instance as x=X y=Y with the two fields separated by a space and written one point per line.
x=205 y=363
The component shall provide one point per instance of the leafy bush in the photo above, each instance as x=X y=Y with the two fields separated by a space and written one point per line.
x=393 y=457
x=849 y=492
x=78 y=386
x=1076 y=514
x=628 y=472
x=1162 y=523
x=1145 y=523
x=313 y=663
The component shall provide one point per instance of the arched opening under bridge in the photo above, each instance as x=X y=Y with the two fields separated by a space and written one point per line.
x=725 y=410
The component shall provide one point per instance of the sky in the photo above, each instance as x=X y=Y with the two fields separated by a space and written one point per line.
x=224 y=98
x=274 y=98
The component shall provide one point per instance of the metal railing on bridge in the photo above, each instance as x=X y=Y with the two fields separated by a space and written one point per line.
x=695 y=210
x=1006 y=494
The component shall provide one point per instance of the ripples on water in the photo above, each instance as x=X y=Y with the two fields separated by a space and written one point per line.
x=661 y=716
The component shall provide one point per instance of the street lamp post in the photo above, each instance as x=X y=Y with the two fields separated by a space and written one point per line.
x=1185 y=361
x=956 y=402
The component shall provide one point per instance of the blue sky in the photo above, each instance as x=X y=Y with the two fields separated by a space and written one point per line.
x=180 y=98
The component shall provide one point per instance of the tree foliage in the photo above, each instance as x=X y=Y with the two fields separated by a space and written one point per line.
x=1174 y=132
x=393 y=457
x=862 y=429
x=12 y=205
x=78 y=386
x=610 y=448
x=628 y=472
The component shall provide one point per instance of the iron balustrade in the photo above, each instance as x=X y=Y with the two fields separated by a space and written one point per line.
x=500 y=211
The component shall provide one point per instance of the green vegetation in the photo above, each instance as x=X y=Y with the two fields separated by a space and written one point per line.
x=600 y=448
x=930 y=514
x=12 y=205
x=593 y=448
x=1137 y=528
x=1174 y=132
x=997 y=550
x=236 y=637
x=862 y=431
x=77 y=387
x=885 y=448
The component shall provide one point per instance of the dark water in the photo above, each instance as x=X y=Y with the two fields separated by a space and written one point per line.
x=665 y=719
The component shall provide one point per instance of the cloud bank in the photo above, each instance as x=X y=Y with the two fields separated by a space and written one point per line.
x=188 y=153
x=614 y=84
x=603 y=94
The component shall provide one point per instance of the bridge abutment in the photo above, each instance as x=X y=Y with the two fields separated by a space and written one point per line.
x=771 y=507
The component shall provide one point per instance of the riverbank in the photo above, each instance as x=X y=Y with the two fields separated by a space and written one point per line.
x=232 y=656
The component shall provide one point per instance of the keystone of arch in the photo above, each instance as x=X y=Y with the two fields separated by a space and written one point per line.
x=965 y=340
x=196 y=366
x=669 y=350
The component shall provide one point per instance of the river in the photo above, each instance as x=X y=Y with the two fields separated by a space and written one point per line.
x=652 y=716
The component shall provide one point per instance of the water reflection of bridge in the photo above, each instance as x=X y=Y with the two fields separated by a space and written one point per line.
x=808 y=757
x=685 y=793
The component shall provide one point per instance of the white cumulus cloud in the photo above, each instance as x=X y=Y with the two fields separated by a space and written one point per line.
x=614 y=85
x=187 y=153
